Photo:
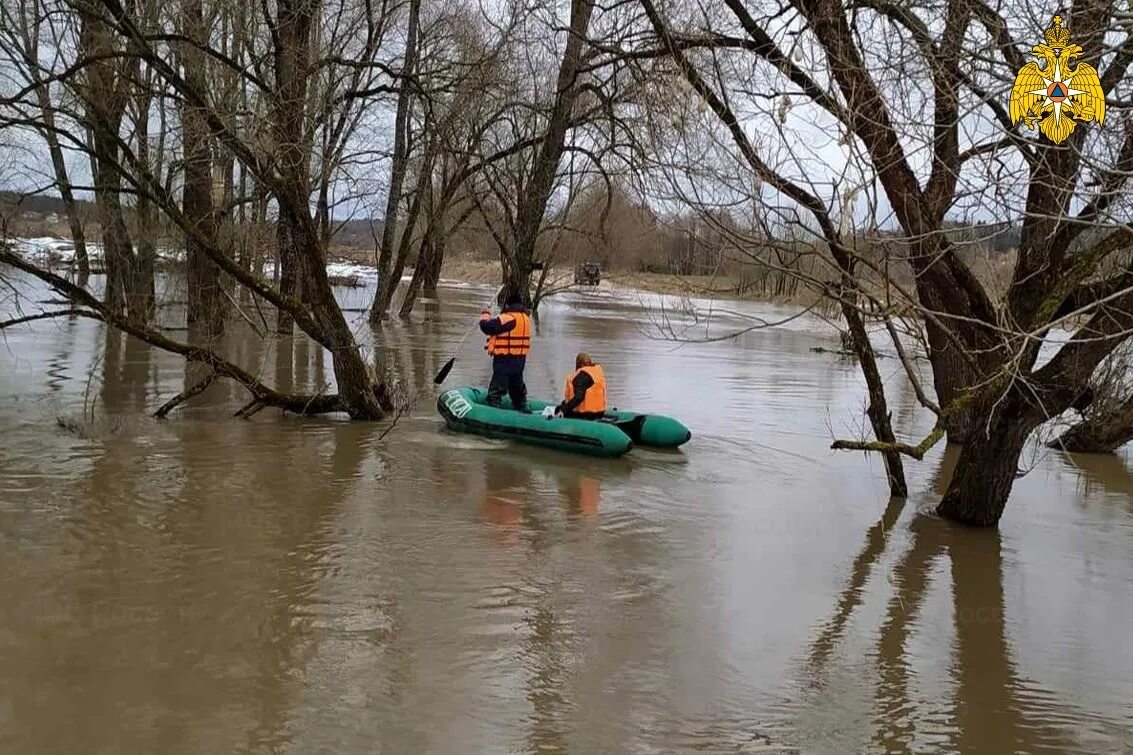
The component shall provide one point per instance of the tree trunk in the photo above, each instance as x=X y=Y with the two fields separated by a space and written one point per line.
x=419 y=274
x=105 y=107
x=387 y=279
x=535 y=195
x=433 y=264
x=986 y=467
x=1101 y=433
x=205 y=308
x=302 y=258
x=292 y=59
x=878 y=410
x=387 y=285
x=287 y=266
x=117 y=249
x=951 y=376
x=143 y=291
x=365 y=398
x=78 y=236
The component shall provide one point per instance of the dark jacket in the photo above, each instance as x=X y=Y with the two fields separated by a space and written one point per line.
x=509 y=365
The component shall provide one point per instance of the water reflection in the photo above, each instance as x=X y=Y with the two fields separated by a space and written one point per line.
x=506 y=488
x=1102 y=473
x=543 y=654
x=877 y=538
x=126 y=373
x=990 y=708
x=582 y=496
x=993 y=705
x=284 y=348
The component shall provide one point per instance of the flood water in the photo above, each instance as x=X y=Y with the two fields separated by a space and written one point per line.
x=211 y=585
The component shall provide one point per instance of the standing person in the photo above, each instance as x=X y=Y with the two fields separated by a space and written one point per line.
x=585 y=394
x=509 y=341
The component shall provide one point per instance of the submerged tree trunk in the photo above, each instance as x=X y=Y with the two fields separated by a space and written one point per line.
x=105 y=107
x=419 y=273
x=118 y=251
x=383 y=299
x=205 y=309
x=302 y=257
x=878 y=409
x=287 y=266
x=365 y=397
x=433 y=264
x=388 y=278
x=1100 y=433
x=293 y=44
x=987 y=465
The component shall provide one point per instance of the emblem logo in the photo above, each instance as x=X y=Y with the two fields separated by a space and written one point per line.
x=1060 y=92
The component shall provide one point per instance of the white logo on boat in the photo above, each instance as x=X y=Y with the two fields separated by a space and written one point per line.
x=457 y=404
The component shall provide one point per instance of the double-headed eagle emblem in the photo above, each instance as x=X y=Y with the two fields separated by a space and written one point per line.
x=1058 y=92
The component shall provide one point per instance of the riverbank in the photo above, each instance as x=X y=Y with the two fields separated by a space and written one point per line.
x=353 y=267
x=468 y=269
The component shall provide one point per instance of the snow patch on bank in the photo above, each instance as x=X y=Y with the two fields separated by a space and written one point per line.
x=47 y=250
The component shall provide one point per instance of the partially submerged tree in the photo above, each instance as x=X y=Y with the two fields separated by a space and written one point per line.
x=320 y=52
x=205 y=305
x=840 y=63
x=536 y=192
x=389 y=269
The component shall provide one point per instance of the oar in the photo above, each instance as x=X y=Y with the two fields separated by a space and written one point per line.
x=447 y=368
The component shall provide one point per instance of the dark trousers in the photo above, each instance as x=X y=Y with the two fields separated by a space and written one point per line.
x=510 y=383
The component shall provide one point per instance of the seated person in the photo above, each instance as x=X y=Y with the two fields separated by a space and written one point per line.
x=585 y=393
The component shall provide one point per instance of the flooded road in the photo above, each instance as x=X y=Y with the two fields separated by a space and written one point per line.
x=206 y=584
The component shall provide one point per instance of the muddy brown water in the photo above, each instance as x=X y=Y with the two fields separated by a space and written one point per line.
x=212 y=585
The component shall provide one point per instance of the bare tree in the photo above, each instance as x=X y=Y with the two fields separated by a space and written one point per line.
x=25 y=32
x=123 y=58
x=205 y=307
x=992 y=389
x=532 y=200
x=389 y=274
x=105 y=89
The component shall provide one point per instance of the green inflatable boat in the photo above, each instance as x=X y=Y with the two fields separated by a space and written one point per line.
x=465 y=410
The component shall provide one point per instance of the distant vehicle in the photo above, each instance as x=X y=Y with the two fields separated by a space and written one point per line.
x=588 y=273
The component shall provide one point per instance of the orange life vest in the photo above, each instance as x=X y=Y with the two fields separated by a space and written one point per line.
x=595 y=399
x=514 y=343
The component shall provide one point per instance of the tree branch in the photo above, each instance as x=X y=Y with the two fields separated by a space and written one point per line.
x=917 y=452
x=185 y=395
x=48 y=315
x=297 y=403
x=910 y=372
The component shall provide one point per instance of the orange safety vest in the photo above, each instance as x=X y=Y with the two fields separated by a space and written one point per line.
x=595 y=399
x=514 y=343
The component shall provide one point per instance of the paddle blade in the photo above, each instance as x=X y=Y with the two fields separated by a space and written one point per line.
x=444 y=371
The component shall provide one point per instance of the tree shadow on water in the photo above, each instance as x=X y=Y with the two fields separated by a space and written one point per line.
x=988 y=712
